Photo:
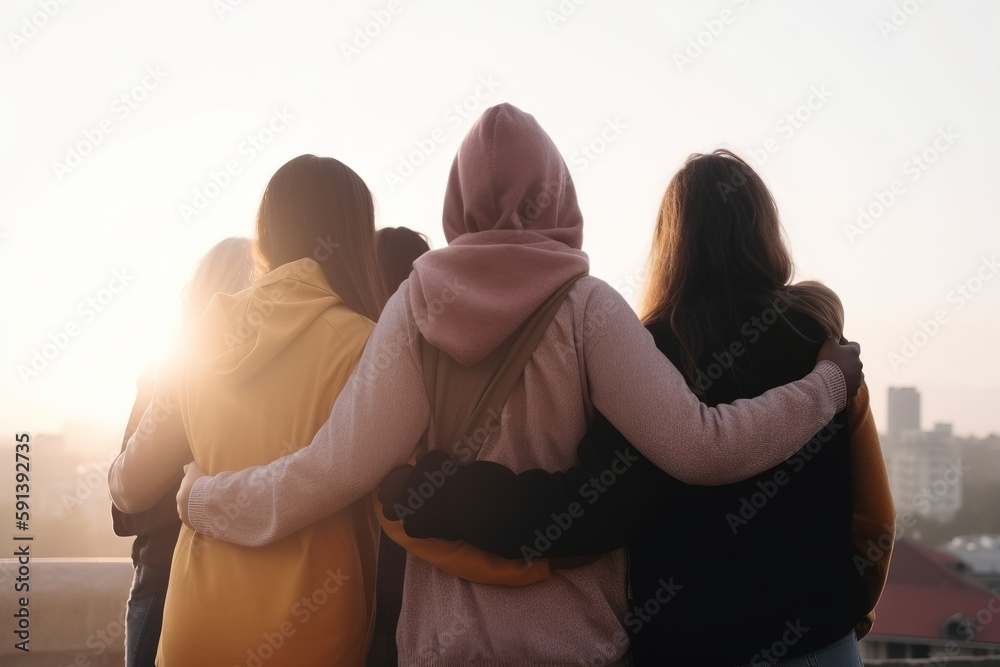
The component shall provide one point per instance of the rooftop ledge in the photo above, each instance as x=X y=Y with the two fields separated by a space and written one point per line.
x=76 y=610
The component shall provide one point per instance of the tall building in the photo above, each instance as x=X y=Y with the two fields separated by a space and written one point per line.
x=925 y=472
x=904 y=411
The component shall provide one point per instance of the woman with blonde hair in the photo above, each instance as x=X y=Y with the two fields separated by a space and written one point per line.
x=228 y=268
x=772 y=569
x=260 y=378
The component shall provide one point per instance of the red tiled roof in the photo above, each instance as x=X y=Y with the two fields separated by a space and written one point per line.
x=923 y=591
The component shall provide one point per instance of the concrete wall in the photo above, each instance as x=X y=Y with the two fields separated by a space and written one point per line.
x=76 y=610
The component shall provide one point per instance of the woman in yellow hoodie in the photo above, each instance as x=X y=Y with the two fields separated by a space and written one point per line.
x=264 y=372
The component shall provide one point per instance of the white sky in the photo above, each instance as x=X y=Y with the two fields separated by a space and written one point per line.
x=609 y=67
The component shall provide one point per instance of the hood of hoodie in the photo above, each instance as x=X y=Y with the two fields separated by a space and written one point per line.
x=240 y=334
x=514 y=229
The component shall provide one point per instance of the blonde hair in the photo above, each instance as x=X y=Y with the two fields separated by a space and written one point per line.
x=819 y=302
x=229 y=267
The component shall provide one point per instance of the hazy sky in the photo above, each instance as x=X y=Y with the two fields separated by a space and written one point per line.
x=134 y=136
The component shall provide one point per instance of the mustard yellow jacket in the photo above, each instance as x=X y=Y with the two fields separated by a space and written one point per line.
x=261 y=379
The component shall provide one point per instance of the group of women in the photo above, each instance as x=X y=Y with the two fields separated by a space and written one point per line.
x=562 y=495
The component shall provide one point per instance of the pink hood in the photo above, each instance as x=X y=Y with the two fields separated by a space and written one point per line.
x=514 y=230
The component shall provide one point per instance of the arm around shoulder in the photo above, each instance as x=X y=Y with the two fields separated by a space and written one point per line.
x=648 y=400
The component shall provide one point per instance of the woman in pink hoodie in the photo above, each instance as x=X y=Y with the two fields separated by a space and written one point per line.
x=515 y=231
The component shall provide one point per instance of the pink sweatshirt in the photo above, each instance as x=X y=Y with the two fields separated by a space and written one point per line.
x=515 y=229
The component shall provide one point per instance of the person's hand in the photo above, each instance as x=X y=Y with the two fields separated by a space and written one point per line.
x=397 y=487
x=192 y=473
x=848 y=359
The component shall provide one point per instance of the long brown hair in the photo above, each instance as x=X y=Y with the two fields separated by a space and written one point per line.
x=719 y=242
x=319 y=207
x=397 y=248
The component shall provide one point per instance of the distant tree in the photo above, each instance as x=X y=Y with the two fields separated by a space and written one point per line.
x=980 y=513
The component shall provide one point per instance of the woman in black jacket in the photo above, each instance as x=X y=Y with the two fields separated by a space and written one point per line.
x=772 y=569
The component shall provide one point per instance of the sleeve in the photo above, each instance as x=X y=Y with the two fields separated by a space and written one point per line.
x=647 y=399
x=348 y=457
x=874 y=512
x=463 y=560
x=152 y=461
x=491 y=507
x=125 y=525
x=164 y=513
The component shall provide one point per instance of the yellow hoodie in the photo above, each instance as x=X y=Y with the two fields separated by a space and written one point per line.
x=267 y=367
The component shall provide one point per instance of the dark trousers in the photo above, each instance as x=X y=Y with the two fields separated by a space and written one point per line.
x=144 y=616
x=388 y=601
